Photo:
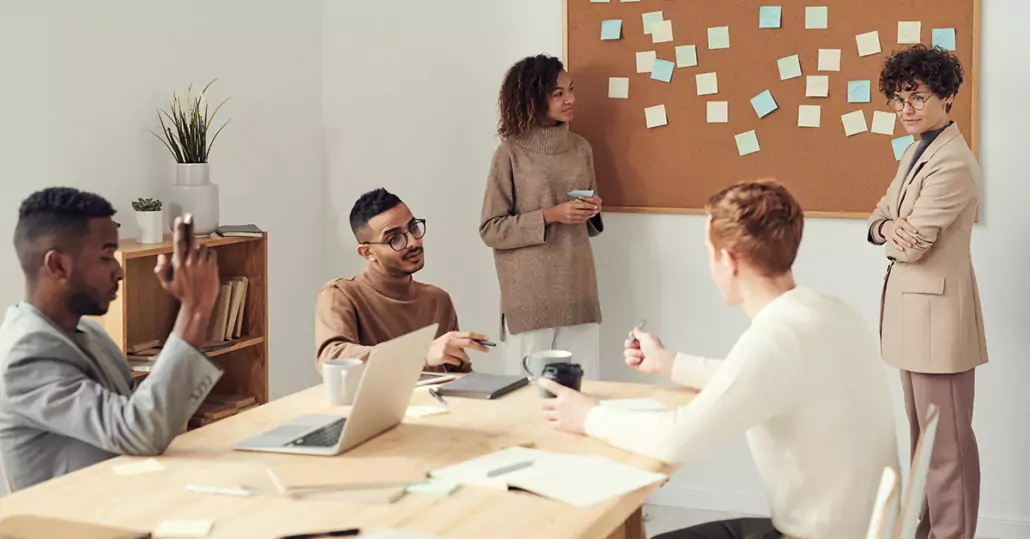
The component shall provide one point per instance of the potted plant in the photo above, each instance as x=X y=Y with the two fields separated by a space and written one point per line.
x=186 y=138
x=150 y=219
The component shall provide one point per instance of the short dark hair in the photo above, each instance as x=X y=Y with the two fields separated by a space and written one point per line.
x=370 y=205
x=56 y=217
x=939 y=69
x=525 y=93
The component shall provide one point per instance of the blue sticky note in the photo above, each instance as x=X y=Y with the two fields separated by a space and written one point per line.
x=944 y=38
x=662 y=70
x=581 y=193
x=763 y=103
x=769 y=16
x=901 y=144
x=611 y=29
x=858 y=91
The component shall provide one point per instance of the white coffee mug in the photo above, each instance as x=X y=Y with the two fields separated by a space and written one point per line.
x=340 y=378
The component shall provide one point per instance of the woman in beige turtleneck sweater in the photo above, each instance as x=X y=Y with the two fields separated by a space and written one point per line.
x=540 y=233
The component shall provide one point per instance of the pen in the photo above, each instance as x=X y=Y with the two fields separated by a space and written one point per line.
x=485 y=342
x=239 y=491
x=316 y=535
x=436 y=395
x=510 y=468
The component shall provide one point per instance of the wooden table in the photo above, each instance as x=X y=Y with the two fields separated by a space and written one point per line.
x=473 y=427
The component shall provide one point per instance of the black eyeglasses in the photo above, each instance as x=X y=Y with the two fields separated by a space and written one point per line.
x=898 y=104
x=398 y=242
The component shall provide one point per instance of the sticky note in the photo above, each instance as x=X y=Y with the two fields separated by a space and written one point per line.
x=645 y=61
x=854 y=123
x=649 y=19
x=883 y=122
x=424 y=411
x=868 y=43
x=763 y=103
x=829 y=59
x=580 y=193
x=719 y=37
x=943 y=38
x=902 y=144
x=747 y=143
x=184 y=528
x=909 y=31
x=661 y=32
x=618 y=87
x=816 y=17
x=662 y=70
x=707 y=83
x=769 y=16
x=718 y=112
x=858 y=91
x=655 y=116
x=790 y=67
x=686 y=56
x=817 y=86
x=611 y=30
x=136 y=468
x=600 y=1
x=809 y=115
x=628 y=1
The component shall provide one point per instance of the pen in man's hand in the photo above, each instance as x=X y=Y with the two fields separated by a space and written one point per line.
x=485 y=342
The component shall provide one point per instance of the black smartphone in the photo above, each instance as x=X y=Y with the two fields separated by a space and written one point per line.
x=187 y=230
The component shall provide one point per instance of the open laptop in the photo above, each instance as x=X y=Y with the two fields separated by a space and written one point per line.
x=391 y=372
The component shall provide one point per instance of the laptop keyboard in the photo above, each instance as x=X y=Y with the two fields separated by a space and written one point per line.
x=326 y=436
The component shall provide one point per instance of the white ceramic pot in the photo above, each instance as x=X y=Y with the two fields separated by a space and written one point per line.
x=194 y=193
x=151 y=226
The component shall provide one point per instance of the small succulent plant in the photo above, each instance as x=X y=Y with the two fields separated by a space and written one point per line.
x=146 y=204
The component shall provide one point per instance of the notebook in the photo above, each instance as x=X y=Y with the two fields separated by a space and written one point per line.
x=37 y=527
x=478 y=385
x=346 y=474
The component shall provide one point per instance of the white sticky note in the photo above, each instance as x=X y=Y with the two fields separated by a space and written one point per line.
x=649 y=19
x=645 y=61
x=854 y=123
x=600 y=1
x=809 y=115
x=628 y=1
x=136 y=468
x=719 y=37
x=184 y=528
x=829 y=59
x=661 y=32
x=417 y=411
x=655 y=116
x=868 y=43
x=883 y=122
x=817 y=86
x=747 y=143
x=686 y=56
x=909 y=32
x=707 y=83
x=817 y=17
x=718 y=112
x=618 y=87
x=790 y=67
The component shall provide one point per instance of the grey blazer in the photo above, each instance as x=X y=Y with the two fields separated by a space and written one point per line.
x=62 y=410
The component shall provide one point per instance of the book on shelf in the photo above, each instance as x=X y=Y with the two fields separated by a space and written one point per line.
x=239 y=231
x=227 y=316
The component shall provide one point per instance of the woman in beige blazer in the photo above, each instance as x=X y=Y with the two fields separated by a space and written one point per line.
x=931 y=325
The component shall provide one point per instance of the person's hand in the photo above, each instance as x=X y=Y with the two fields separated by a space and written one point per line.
x=900 y=233
x=646 y=353
x=568 y=410
x=449 y=349
x=596 y=202
x=573 y=212
x=195 y=279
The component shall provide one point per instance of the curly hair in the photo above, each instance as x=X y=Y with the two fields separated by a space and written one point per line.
x=55 y=217
x=525 y=94
x=939 y=69
x=759 y=221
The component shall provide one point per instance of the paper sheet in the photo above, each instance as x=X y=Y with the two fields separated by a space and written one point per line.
x=718 y=113
x=136 y=468
x=829 y=59
x=686 y=56
x=434 y=487
x=649 y=19
x=817 y=86
x=790 y=67
x=909 y=32
x=747 y=143
x=764 y=104
x=707 y=83
x=719 y=37
x=943 y=38
x=582 y=481
x=854 y=123
x=646 y=404
x=183 y=528
x=901 y=144
x=816 y=17
x=769 y=16
x=883 y=122
x=662 y=70
x=645 y=61
x=655 y=116
x=868 y=43
x=858 y=91
x=661 y=32
x=611 y=29
x=809 y=115
x=618 y=87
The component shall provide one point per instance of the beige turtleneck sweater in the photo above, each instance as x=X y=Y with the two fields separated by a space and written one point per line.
x=546 y=272
x=353 y=314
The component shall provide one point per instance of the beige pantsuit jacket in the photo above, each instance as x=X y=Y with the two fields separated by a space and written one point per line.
x=930 y=317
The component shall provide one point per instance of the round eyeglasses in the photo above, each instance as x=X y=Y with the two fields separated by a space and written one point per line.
x=898 y=104
x=399 y=241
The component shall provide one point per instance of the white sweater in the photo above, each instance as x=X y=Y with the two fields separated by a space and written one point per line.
x=806 y=385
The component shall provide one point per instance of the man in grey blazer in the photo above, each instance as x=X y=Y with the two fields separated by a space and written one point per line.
x=66 y=395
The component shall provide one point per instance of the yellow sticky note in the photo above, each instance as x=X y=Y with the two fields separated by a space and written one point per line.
x=618 y=87
x=719 y=37
x=747 y=143
x=854 y=123
x=136 y=468
x=645 y=61
x=868 y=43
x=883 y=122
x=790 y=67
x=817 y=86
x=650 y=19
x=817 y=17
x=183 y=528
x=718 y=112
x=655 y=116
x=809 y=115
x=909 y=31
x=686 y=56
x=707 y=83
x=661 y=32
x=829 y=59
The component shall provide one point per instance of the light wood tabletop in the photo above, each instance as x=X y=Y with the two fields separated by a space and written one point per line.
x=472 y=428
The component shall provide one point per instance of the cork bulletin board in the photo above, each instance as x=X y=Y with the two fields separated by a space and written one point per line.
x=673 y=168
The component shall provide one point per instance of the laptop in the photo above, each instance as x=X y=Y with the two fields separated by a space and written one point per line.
x=391 y=372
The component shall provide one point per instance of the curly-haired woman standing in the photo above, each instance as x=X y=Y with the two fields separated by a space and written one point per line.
x=539 y=230
x=931 y=325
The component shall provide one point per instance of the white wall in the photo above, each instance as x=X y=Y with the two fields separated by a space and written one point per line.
x=81 y=86
x=409 y=104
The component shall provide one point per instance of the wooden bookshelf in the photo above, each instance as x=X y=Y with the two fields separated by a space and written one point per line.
x=144 y=312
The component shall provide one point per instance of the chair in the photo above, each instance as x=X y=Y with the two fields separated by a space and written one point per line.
x=885 y=510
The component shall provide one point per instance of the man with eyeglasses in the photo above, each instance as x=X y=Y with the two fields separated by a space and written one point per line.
x=384 y=302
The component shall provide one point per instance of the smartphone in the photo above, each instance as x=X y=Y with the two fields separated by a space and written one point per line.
x=187 y=229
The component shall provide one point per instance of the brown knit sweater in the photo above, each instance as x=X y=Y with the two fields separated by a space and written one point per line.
x=546 y=273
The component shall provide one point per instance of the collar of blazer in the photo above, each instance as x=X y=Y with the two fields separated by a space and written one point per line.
x=949 y=134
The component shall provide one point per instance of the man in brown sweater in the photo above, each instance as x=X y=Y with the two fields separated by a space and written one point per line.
x=353 y=314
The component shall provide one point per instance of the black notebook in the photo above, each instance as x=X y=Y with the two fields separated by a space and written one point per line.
x=478 y=385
